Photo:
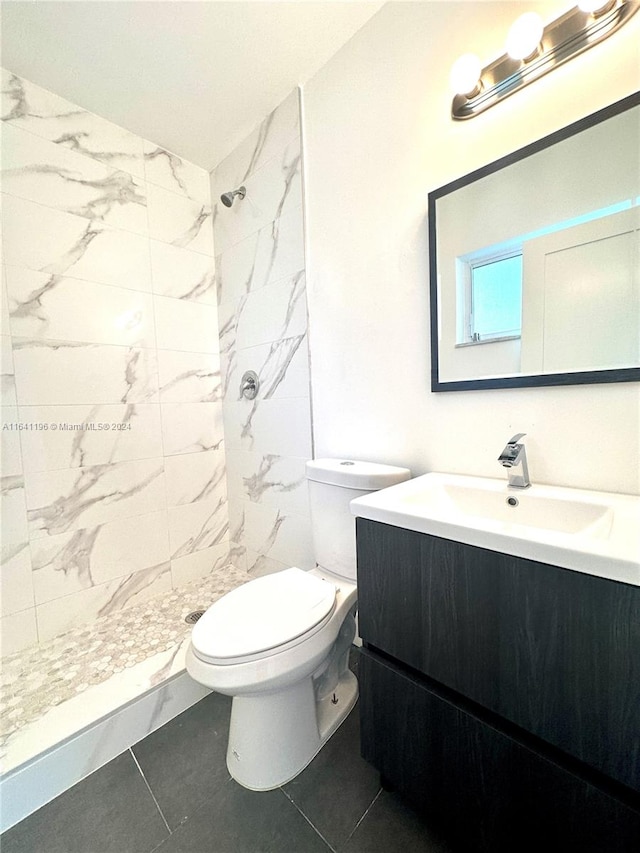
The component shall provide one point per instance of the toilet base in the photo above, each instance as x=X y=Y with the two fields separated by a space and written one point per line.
x=273 y=736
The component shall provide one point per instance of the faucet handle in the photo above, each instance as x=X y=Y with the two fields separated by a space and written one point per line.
x=511 y=451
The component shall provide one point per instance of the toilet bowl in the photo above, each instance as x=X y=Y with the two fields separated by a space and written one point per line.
x=278 y=719
x=279 y=644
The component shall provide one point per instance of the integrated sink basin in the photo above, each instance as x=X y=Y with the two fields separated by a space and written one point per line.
x=596 y=533
x=488 y=500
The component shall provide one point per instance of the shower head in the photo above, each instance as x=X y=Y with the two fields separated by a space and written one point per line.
x=227 y=198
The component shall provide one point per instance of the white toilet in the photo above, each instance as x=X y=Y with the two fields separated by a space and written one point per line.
x=280 y=643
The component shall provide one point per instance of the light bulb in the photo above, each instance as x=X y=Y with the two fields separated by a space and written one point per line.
x=524 y=36
x=465 y=74
x=595 y=7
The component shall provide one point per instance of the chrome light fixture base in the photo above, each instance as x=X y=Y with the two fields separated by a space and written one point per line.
x=562 y=39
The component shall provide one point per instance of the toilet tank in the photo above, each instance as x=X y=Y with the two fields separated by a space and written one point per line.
x=333 y=484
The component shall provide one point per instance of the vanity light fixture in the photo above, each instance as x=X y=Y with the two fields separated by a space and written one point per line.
x=596 y=7
x=465 y=75
x=523 y=41
x=532 y=50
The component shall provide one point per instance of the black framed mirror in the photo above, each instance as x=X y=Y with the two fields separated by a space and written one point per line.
x=534 y=262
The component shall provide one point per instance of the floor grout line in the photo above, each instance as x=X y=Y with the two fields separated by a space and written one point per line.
x=315 y=828
x=153 y=796
x=366 y=812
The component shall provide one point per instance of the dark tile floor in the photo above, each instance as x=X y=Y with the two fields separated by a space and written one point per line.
x=171 y=793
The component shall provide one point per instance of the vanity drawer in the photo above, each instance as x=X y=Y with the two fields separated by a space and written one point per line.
x=485 y=789
x=431 y=604
x=554 y=651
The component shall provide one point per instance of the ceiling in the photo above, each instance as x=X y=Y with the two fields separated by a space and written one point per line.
x=194 y=76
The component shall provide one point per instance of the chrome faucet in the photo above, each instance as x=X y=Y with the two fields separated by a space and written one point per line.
x=512 y=456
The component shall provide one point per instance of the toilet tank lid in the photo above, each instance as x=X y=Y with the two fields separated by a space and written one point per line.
x=352 y=474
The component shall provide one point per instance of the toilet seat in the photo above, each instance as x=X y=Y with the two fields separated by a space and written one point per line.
x=272 y=612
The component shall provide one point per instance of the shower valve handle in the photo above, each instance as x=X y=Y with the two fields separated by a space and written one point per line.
x=249 y=385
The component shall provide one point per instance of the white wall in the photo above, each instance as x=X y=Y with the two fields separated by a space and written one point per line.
x=377 y=138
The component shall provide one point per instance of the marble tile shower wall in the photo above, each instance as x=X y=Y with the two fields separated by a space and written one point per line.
x=263 y=327
x=109 y=318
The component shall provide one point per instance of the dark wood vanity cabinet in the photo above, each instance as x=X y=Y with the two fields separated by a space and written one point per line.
x=499 y=694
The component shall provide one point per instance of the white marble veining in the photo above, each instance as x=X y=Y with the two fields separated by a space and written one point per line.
x=272 y=136
x=182 y=273
x=238 y=556
x=284 y=365
x=238 y=550
x=228 y=313
x=194 y=477
x=111 y=369
x=58 y=243
x=280 y=536
x=57 y=616
x=45 y=306
x=66 y=372
x=268 y=314
x=41 y=171
x=195 y=526
x=66 y=563
x=272 y=313
x=276 y=185
x=189 y=377
x=179 y=220
x=191 y=427
x=262 y=323
x=95 y=435
x=199 y=565
x=64 y=500
x=276 y=364
x=272 y=190
x=32 y=108
x=274 y=252
x=171 y=172
x=269 y=426
x=272 y=480
x=259 y=565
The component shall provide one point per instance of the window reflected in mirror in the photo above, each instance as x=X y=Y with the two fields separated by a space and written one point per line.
x=535 y=262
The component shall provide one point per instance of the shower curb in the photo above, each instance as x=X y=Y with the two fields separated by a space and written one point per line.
x=28 y=787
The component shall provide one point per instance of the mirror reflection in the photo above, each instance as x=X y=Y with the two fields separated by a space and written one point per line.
x=537 y=262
